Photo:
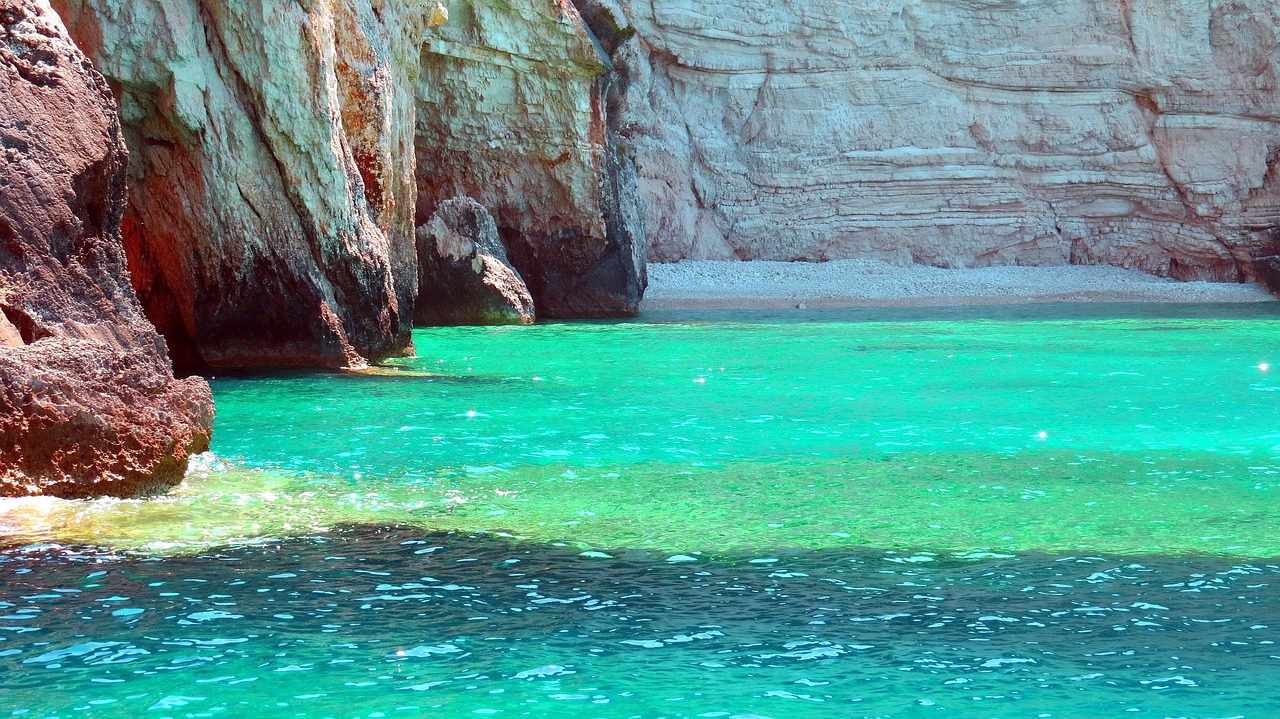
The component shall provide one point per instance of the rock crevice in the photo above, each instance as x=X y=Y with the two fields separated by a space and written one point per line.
x=271 y=192
x=512 y=111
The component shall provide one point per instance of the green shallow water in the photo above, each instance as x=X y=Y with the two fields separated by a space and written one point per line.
x=1011 y=430
x=1060 y=511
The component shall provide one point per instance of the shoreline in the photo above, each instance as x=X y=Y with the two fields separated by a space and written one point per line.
x=764 y=284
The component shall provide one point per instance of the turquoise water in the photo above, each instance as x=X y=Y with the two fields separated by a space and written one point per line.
x=1001 y=512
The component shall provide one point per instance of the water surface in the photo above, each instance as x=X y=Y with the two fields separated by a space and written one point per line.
x=1062 y=511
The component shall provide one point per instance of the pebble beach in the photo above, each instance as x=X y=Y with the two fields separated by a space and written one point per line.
x=721 y=284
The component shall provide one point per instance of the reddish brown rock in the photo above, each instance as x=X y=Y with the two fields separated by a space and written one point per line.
x=88 y=402
x=272 y=173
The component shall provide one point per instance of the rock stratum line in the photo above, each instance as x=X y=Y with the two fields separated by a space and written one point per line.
x=1137 y=133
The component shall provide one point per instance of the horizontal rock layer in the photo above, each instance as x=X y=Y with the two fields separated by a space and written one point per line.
x=88 y=402
x=1141 y=133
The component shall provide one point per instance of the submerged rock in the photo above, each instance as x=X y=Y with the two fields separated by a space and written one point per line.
x=464 y=277
x=88 y=402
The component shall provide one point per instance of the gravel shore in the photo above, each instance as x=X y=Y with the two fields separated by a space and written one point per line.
x=714 y=284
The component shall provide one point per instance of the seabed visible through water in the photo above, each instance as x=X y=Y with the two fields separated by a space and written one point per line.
x=1037 y=511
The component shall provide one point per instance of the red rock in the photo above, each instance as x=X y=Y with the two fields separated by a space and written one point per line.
x=88 y=402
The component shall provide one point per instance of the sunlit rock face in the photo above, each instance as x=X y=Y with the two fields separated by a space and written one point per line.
x=1141 y=133
x=88 y=402
x=271 y=182
x=273 y=191
x=511 y=104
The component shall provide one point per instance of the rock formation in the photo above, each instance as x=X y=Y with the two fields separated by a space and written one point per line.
x=272 y=191
x=88 y=402
x=1141 y=133
x=463 y=271
x=512 y=112
x=1268 y=270
x=273 y=197
x=1267 y=264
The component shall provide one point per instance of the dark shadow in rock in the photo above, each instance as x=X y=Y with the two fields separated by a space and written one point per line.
x=464 y=277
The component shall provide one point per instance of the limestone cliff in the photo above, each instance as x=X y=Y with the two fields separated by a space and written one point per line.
x=271 y=184
x=88 y=401
x=273 y=188
x=512 y=112
x=1141 y=133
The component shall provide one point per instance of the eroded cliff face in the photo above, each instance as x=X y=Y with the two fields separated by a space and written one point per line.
x=273 y=193
x=512 y=112
x=88 y=402
x=1141 y=133
x=271 y=188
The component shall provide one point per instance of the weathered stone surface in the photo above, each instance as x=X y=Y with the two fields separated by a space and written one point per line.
x=1267 y=265
x=88 y=402
x=272 y=192
x=512 y=112
x=1268 y=270
x=463 y=271
x=1141 y=133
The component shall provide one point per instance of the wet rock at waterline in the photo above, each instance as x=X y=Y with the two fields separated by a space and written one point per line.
x=463 y=273
x=88 y=402
x=1268 y=270
x=1266 y=265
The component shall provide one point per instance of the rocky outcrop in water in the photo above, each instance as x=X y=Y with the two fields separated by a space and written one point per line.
x=463 y=271
x=88 y=401
x=1267 y=265
x=512 y=111
x=274 y=194
x=271 y=209
x=1141 y=133
x=1268 y=269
